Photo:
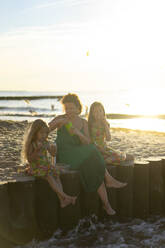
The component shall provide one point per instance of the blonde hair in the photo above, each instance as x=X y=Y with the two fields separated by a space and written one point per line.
x=91 y=118
x=30 y=136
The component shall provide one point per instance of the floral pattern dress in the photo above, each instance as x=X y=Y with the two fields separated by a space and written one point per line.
x=111 y=156
x=42 y=166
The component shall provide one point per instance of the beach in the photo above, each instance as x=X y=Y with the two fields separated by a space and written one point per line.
x=141 y=144
x=91 y=232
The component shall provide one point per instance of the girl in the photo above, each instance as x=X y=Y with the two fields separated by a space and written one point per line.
x=99 y=130
x=36 y=152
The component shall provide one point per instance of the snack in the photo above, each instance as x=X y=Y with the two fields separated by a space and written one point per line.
x=68 y=125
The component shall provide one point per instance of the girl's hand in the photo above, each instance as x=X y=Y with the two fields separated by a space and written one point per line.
x=52 y=149
x=39 y=146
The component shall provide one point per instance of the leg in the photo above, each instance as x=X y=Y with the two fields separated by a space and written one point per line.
x=104 y=198
x=63 y=201
x=112 y=182
x=57 y=187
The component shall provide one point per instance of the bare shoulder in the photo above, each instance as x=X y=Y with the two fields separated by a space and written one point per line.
x=84 y=122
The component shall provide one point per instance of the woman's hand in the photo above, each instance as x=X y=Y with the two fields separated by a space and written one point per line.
x=84 y=137
x=73 y=130
x=58 y=122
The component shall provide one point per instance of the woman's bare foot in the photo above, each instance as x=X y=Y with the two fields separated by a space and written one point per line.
x=115 y=184
x=65 y=202
x=108 y=209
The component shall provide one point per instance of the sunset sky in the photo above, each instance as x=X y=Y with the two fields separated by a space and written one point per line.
x=63 y=45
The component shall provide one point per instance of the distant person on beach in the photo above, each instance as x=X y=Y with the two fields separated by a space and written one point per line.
x=74 y=148
x=37 y=153
x=99 y=131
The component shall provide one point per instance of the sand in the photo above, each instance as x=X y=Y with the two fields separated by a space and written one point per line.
x=142 y=144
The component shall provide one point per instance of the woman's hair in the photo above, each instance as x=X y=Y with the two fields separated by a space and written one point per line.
x=91 y=118
x=30 y=136
x=72 y=98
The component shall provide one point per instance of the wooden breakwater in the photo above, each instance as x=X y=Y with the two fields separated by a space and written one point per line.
x=30 y=209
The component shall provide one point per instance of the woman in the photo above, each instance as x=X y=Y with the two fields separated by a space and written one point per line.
x=74 y=148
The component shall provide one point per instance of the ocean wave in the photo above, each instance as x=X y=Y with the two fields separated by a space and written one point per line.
x=39 y=111
x=90 y=232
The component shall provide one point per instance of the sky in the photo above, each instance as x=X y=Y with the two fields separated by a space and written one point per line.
x=81 y=45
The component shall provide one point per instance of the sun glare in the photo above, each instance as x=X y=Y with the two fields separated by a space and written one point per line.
x=145 y=102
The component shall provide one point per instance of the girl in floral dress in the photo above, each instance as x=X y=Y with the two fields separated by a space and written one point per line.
x=36 y=154
x=99 y=130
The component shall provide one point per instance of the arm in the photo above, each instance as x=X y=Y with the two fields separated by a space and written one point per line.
x=107 y=130
x=33 y=154
x=57 y=122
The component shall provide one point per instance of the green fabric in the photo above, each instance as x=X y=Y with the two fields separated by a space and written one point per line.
x=84 y=158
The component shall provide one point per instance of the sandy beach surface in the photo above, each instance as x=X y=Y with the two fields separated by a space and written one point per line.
x=142 y=144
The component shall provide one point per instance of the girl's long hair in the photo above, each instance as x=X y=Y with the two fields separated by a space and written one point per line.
x=30 y=136
x=91 y=118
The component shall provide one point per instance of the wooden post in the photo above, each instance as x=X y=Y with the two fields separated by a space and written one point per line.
x=125 y=195
x=5 y=228
x=156 y=186
x=6 y=243
x=141 y=190
x=163 y=176
x=47 y=209
x=71 y=214
x=90 y=203
x=22 y=210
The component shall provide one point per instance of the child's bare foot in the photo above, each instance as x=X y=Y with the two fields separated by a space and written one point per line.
x=67 y=200
x=115 y=184
x=108 y=209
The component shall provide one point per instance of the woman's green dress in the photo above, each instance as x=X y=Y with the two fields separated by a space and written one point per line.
x=84 y=158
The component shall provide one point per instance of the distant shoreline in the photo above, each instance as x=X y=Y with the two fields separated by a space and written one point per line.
x=29 y=97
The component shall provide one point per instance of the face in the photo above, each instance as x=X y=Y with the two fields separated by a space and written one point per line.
x=42 y=134
x=98 y=113
x=70 y=109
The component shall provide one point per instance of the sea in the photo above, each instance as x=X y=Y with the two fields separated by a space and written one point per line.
x=139 y=109
x=125 y=109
